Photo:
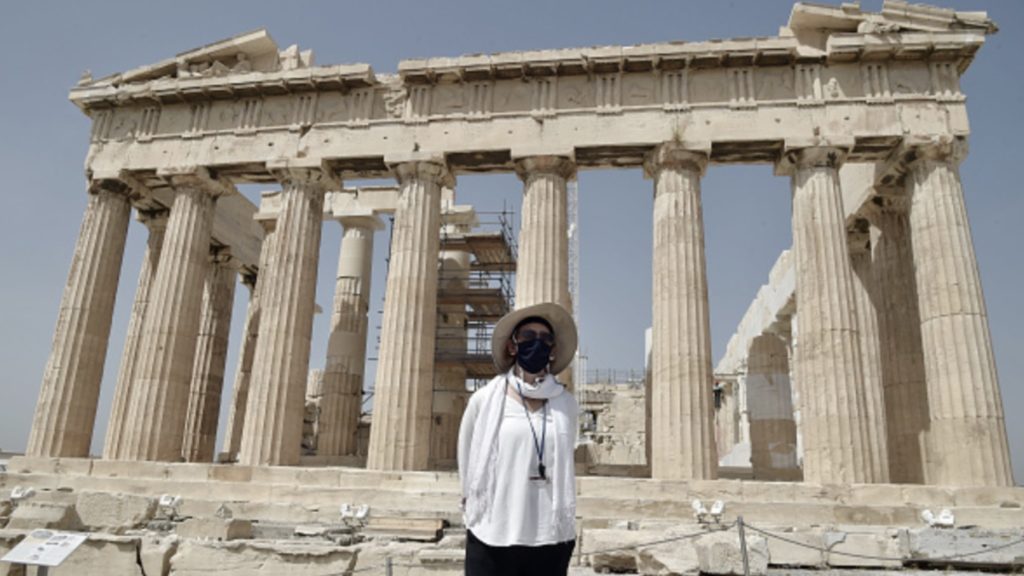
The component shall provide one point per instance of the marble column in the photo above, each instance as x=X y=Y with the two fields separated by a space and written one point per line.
x=542 y=271
x=829 y=366
x=247 y=353
x=682 y=436
x=450 y=395
x=342 y=389
x=155 y=424
x=899 y=339
x=211 y=357
x=400 y=433
x=156 y=222
x=859 y=242
x=728 y=413
x=967 y=434
x=272 y=431
x=66 y=412
x=770 y=406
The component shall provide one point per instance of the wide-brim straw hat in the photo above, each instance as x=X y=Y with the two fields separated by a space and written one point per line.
x=561 y=322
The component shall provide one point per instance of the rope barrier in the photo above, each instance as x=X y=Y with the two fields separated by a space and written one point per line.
x=881 y=558
x=747 y=526
x=658 y=542
x=602 y=551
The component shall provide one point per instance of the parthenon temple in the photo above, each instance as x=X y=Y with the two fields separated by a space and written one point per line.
x=856 y=408
x=867 y=358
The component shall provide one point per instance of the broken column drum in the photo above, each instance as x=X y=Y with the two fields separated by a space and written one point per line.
x=342 y=399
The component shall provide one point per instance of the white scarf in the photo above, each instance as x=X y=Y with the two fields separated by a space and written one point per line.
x=483 y=456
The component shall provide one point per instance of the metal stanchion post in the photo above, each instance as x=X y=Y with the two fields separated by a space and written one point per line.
x=388 y=568
x=743 y=545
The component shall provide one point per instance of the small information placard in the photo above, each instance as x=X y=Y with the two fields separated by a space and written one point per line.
x=45 y=548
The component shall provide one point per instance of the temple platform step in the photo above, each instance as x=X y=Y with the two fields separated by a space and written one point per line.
x=307 y=494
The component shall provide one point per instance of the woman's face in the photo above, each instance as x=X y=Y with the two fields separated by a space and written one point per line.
x=527 y=332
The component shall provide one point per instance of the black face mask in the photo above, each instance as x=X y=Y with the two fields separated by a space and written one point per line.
x=533 y=356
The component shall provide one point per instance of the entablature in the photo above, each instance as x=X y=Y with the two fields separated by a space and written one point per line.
x=834 y=72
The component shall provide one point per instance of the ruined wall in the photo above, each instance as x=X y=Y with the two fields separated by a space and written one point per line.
x=613 y=417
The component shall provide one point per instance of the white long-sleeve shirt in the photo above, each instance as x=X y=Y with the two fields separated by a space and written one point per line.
x=520 y=512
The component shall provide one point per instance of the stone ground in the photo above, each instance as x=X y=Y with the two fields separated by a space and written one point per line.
x=259 y=522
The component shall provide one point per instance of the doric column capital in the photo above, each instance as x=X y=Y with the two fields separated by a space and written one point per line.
x=677 y=155
x=803 y=158
x=309 y=172
x=560 y=166
x=116 y=182
x=311 y=177
x=886 y=200
x=431 y=170
x=914 y=149
x=368 y=221
x=948 y=149
x=153 y=219
x=196 y=178
x=110 y=186
x=221 y=256
x=248 y=277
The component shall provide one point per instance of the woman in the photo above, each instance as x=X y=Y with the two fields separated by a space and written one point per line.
x=516 y=451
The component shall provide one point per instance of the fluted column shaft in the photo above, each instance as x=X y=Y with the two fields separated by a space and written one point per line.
x=542 y=270
x=157 y=225
x=829 y=367
x=159 y=400
x=210 y=359
x=682 y=419
x=272 y=432
x=342 y=396
x=770 y=406
x=247 y=353
x=400 y=434
x=899 y=338
x=867 y=323
x=66 y=411
x=968 y=444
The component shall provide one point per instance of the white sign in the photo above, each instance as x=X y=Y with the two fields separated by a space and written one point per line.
x=45 y=548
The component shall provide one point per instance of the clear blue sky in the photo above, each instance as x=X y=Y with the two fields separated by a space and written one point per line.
x=45 y=46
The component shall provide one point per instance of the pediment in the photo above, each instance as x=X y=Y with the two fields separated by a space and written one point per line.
x=250 y=52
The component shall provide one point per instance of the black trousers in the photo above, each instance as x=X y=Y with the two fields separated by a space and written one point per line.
x=548 y=560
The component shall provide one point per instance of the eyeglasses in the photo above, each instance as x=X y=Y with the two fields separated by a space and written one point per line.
x=531 y=335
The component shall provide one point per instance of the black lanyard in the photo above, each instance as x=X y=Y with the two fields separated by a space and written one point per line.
x=538 y=446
